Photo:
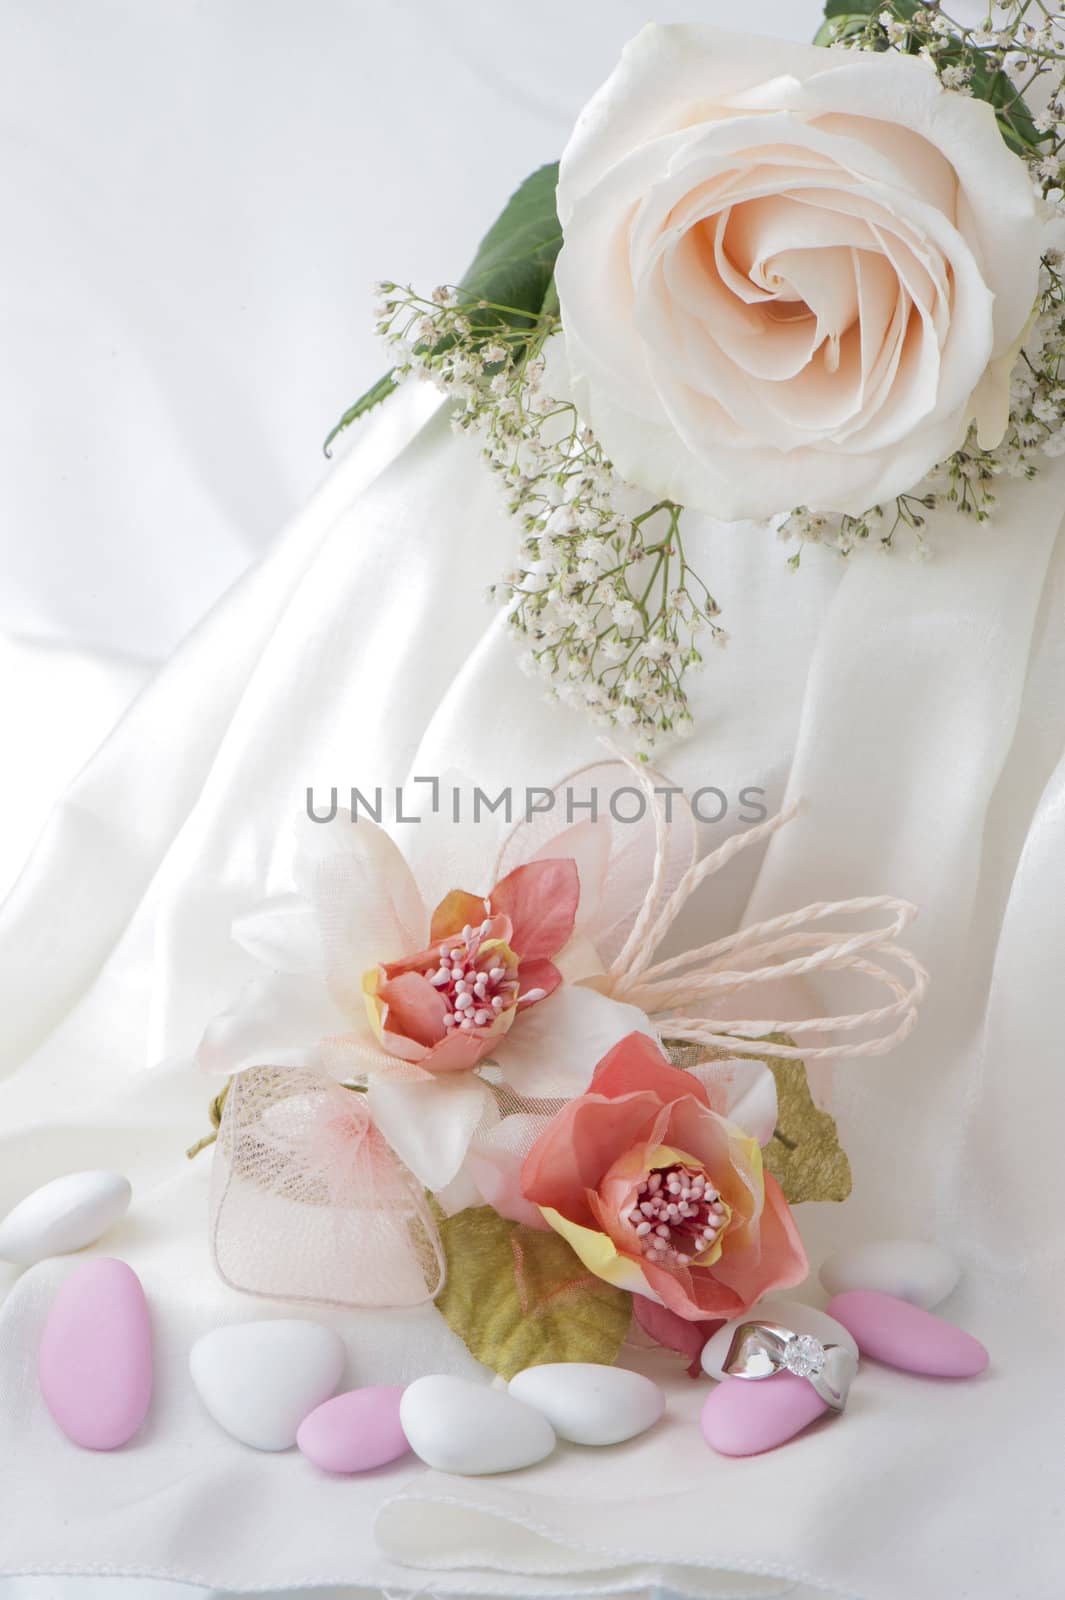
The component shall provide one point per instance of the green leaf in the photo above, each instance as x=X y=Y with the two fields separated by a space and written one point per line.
x=835 y=30
x=804 y=1154
x=903 y=9
x=366 y=402
x=998 y=89
x=513 y=270
x=517 y=1297
x=515 y=261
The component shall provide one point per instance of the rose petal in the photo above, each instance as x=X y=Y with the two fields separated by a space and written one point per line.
x=584 y=1140
x=459 y=1051
x=638 y=1063
x=456 y=911
x=587 y=845
x=413 y=1008
x=599 y=1254
x=699 y=64
x=605 y=917
x=540 y=899
x=745 y=1091
x=535 y=976
x=780 y=1260
x=694 y=1296
x=788 y=278
x=731 y=1156
x=675 y=1333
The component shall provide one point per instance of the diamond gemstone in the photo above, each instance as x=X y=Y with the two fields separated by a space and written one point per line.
x=805 y=1356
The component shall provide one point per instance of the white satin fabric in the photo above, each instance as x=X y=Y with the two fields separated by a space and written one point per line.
x=920 y=709
x=196 y=202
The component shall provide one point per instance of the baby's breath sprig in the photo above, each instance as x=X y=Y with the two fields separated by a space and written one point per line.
x=604 y=600
x=1016 y=51
x=1001 y=59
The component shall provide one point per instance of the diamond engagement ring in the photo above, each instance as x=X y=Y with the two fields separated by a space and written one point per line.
x=762 y=1349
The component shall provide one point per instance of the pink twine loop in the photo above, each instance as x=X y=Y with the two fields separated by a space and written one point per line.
x=677 y=992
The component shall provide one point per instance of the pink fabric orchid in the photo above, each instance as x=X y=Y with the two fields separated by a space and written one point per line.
x=364 y=983
x=660 y=1193
x=446 y=1006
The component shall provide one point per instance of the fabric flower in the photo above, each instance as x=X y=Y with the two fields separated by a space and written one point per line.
x=446 y=1006
x=660 y=1193
x=370 y=987
x=790 y=275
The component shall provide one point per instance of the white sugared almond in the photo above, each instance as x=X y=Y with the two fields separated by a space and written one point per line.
x=64 y=1215
x=456 y=1425
x=259 y=1380
x=909 y=1269
x=588 y=1403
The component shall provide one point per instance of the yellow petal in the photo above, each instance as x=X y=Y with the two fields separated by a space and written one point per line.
x=666 y=1155
x=503 y=955
x=370 y=983
x=599 y=1254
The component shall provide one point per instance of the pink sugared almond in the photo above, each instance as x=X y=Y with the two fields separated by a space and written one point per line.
x=745 y=1418
x=905 y=1336
x=356 y=1431
x=95 y=1360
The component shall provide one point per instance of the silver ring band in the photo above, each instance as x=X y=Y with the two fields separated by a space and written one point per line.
x=762 y=1349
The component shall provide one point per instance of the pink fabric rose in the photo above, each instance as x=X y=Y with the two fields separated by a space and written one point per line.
x=660 y=1194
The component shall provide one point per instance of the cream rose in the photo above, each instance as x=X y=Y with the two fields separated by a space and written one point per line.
x=790 y=276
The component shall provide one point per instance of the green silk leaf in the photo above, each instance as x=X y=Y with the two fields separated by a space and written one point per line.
x=804 y=1154
x=517 y=1297
x=380 y=391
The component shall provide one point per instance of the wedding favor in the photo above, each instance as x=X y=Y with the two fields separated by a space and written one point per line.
x=805 y=288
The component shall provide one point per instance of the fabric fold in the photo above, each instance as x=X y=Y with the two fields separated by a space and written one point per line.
x=920 y=712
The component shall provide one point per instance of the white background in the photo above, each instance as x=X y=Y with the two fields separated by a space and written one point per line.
x=197 y=196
